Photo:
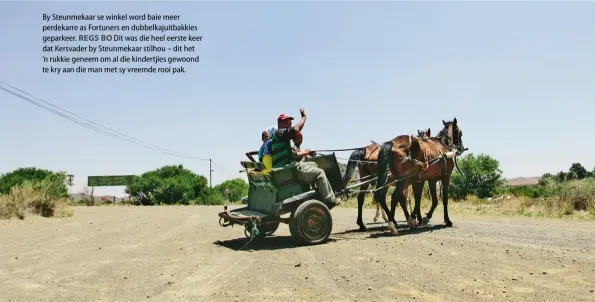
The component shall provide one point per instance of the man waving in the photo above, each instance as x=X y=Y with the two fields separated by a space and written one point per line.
x=282 y=154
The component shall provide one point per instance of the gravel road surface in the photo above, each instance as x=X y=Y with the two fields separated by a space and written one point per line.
x=182 y=254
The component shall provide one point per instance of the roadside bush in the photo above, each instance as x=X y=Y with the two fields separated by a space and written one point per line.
x=482 y=177
x=236 y=189
x=81 y=202
x=208 y=196
x=44 y=198
x=552 y=198
x=18 y=200
x=172 y=185
x=579 y=195
x=19 y=176
x=559 y=197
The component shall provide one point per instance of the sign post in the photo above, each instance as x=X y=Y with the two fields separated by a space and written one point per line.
x=70 y=179
x=109 y=181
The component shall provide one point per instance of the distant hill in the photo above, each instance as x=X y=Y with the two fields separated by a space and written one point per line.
x=82 y=196
x=523 y=181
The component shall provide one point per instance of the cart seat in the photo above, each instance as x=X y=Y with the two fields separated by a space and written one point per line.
x=254 y=170
x=285 y=176
x=252 y=165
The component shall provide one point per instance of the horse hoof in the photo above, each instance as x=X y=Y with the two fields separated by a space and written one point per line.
x=362 y=228
x=393 y=229
x=425 y=220
x=448 y=224
x=375 y=219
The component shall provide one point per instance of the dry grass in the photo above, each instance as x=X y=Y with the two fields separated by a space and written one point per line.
x=30 y=198
x=575 y=200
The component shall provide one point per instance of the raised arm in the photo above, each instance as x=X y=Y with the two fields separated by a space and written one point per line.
x=300 y=125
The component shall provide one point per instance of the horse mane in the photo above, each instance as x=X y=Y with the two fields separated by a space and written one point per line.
x=445 y=140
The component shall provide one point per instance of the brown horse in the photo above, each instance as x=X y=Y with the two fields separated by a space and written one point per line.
x=438 y=154
x=404 y=157
x=424 y=135
x=366 y=161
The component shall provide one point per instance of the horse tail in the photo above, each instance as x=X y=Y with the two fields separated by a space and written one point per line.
x=356 y=157
x=384 y=157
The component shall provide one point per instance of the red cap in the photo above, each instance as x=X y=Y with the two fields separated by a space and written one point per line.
x=283 y=117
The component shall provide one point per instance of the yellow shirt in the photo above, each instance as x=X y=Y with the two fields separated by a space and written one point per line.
x=267 y=160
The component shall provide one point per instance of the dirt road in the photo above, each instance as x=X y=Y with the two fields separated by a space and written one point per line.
x=172 y=254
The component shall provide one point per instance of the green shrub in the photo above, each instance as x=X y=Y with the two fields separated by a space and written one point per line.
x=579 y=195
x=43 y=198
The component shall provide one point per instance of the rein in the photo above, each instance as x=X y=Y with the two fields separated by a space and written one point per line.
x=424 y=166
x=338 y=150
x=459 y=152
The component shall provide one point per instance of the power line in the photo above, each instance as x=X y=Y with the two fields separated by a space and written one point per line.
x=93 y=125
x=222 y=170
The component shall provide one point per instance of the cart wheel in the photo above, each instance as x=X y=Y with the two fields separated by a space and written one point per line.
x=261 y=231
x=270 y=228
x=311 y=223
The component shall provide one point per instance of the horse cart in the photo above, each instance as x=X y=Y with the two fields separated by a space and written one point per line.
x=280 y=192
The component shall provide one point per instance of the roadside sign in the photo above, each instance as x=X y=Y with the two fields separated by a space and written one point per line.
x=112 y=180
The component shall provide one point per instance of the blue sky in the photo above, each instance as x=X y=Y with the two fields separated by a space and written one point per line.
x=519 y=78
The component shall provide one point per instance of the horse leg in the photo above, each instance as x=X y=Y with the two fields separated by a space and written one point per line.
x=384 y=216
x=377 y=211
x=409 y=206
x=432 y=186
x=402 y=202
x=393 y=204
x=418 y=189
x=392 y=225
x=360 y=206
x=445 y=182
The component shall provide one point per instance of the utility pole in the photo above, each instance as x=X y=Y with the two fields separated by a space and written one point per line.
x=210 y=173
x=70 y=178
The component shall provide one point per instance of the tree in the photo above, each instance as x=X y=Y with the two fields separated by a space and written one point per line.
x=561 y=176
x=545 y=178
x=172 y=185
x=482 y=177
x=85 y=196
x=577 y=171
x=35 y=175
x=237 y=188
x=42 y=196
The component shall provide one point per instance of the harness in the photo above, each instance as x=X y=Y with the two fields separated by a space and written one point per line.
x=450 y=153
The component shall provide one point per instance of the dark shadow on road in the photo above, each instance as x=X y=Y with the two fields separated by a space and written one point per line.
x=382 y=230
x=409 y=231
x=267 y=244
x=287 y=242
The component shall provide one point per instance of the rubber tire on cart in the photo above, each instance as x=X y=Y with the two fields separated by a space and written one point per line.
x=263 y=230
x=311 y=223
x=248 y=232
x=271 y=228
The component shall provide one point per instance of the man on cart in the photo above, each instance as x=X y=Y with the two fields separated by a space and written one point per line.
x=283 y=154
